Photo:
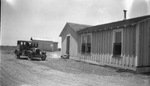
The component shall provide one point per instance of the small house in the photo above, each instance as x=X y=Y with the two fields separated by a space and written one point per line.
x=70 y=39
x=124 y=44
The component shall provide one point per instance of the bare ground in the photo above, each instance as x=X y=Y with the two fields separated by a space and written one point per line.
x=59 y=72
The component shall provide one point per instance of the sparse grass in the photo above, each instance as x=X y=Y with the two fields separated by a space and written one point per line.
x=7 y=49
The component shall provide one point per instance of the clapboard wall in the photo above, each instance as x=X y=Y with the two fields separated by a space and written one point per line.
x=135 y=53
x=73 y=49
x=144 y=43
x=102 y=48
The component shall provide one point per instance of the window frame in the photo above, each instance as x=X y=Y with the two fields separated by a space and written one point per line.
x=114 y=37
x=82 y=42
x=90 y=34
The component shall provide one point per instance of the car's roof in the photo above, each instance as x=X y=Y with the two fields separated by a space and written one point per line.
x=26 y=41
x=23 y=41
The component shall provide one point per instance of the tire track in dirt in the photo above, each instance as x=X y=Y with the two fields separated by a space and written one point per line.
x=29 y=67
x=40 y=73
x=13 y=81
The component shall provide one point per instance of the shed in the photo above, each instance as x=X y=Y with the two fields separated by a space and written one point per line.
x=124 y=44
x=45 y=44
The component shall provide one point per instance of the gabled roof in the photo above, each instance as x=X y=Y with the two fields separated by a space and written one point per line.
x=76 y=27
x=114 y=25
x=55 y=42
x=40 y=39
x=23 y=40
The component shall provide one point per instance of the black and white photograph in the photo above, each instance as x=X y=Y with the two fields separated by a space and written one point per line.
x=75 y=43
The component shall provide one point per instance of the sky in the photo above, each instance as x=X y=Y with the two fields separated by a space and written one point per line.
x=45 y=19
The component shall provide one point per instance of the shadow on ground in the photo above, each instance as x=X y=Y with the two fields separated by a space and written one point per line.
x=35 y=59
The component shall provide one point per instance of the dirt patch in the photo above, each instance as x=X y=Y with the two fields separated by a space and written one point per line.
x=59 y=72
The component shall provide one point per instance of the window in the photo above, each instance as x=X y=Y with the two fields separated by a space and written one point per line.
x=36 y=45
x=86 y=44
x=83 y=50
x=117 y=45
x=21 y=43
x=30 y=45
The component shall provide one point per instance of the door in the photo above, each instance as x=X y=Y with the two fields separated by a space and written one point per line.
x=68 y=45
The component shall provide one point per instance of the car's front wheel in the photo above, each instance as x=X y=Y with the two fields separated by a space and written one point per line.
x=30 y=56
x=43 y=57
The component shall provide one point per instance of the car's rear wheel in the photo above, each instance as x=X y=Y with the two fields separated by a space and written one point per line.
x=18 y=56
x=30 y=56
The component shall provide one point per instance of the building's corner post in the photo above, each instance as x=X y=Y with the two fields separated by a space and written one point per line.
x=61 y=48
x=137 y=45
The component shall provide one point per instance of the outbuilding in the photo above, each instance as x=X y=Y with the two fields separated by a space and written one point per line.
x=124 y=44
x=45 y=44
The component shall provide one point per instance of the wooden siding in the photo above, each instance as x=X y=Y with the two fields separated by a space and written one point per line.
x=129 y=43
x=44 y=45
x=73 y=42
x=63 y=49
x=63 y=39
x=144 y=44
x=73 y=47
x=102 y=49
x=55 y=46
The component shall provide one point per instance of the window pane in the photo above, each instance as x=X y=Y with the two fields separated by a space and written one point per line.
x=83 y=38
x=88 y=38
x=83 y=48
x=83 y=45
x=117 y=49
x=88 y=48
x=117 y=37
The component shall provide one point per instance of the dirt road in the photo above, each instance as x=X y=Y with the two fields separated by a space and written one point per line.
x=57 y=72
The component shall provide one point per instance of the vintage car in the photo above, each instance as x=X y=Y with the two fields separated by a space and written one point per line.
x=29 y=49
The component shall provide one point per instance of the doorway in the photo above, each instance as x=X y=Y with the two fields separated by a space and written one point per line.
x=149 y=42
x=68 y=45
